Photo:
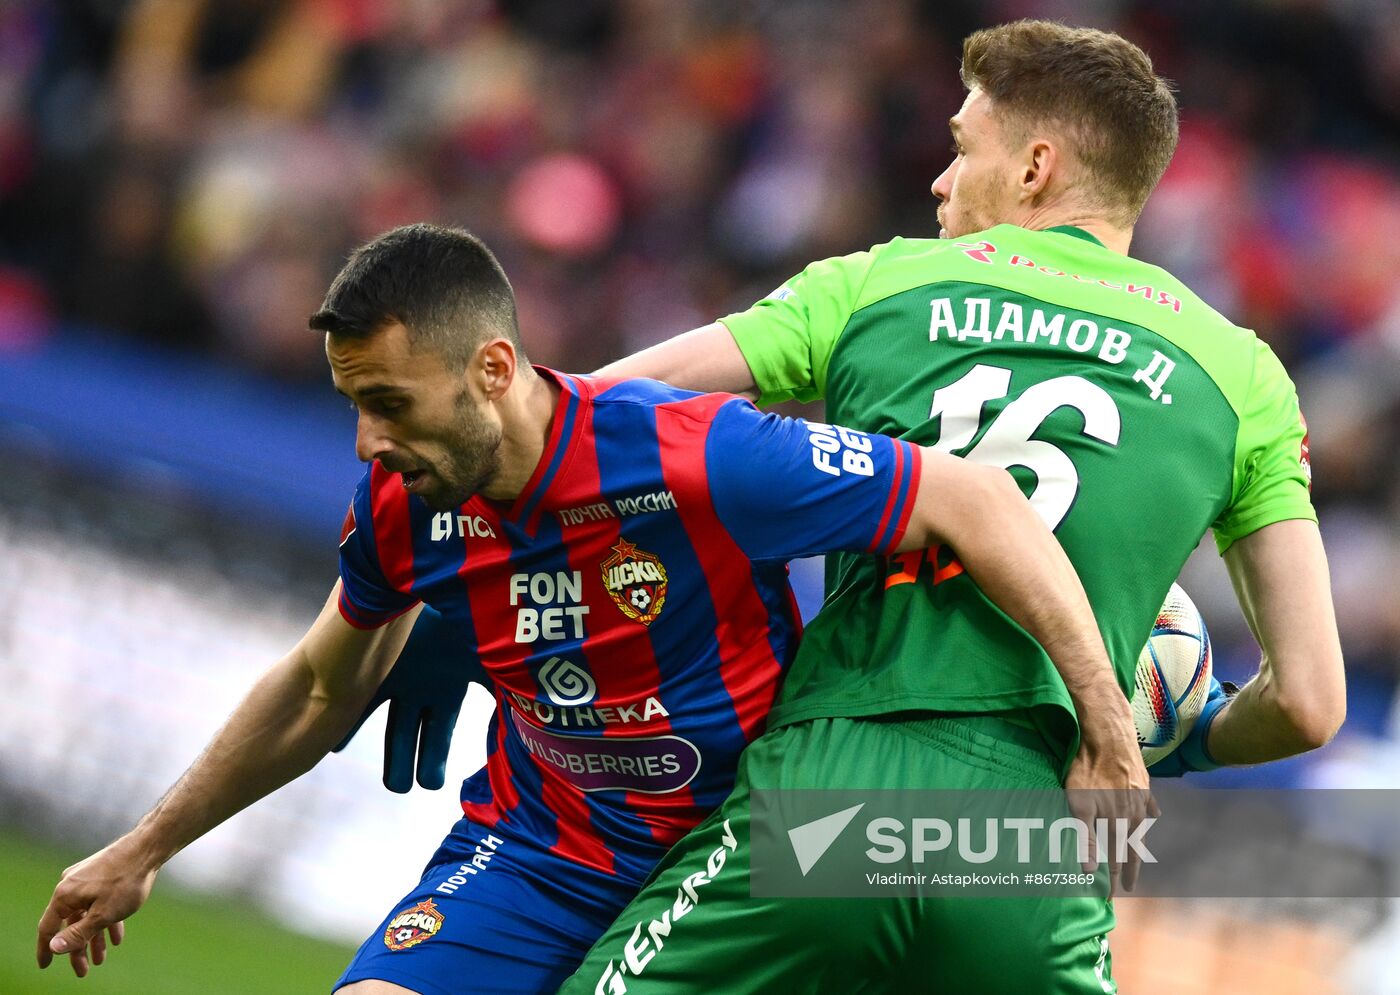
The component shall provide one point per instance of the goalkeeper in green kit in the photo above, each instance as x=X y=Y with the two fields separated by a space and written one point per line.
x=1135 y=419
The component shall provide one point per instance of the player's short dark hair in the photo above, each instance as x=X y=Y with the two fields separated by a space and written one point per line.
x=1120 y=115
x=442 y=284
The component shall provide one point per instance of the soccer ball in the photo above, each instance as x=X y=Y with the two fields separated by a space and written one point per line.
x=1173 y=677
x=641 y=599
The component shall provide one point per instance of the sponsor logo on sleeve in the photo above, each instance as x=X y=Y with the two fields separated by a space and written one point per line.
x=412 y=926
x=1304 y=457
x=636 y=580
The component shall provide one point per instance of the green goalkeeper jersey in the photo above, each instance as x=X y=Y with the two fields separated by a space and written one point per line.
x=1133 y=416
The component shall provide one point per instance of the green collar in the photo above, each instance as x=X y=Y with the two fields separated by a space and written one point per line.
x=1077 y=233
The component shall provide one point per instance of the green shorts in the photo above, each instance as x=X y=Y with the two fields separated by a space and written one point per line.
x=727 y=941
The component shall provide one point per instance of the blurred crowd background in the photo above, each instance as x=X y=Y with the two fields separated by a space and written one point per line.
x=179 y=179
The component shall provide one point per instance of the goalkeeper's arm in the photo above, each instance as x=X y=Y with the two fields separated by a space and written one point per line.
x=1298 y=699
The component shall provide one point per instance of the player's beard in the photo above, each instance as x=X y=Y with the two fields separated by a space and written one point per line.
x=472 y=460
x=973 y=209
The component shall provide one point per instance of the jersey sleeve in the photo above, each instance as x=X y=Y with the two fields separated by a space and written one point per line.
x=1272 y=474
x=785 y=487
x=367 y=599
x=788 y=337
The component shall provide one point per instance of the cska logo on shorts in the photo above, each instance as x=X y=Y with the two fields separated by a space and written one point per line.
x=636 y=580
x=412 y=926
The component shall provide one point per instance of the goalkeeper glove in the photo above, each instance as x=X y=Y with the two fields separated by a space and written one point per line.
x=1192 y=754
x=424 y=690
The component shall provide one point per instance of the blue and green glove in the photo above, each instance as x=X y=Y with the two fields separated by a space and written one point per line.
x=1192 y=754
x=425 y=692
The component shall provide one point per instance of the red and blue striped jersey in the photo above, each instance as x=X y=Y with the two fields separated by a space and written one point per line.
x=631 y=606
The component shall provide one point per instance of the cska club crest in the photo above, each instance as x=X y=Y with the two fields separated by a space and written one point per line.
x=636 y=580
x=412 y=926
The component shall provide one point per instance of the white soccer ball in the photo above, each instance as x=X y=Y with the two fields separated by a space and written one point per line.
x=641 y=599
x=1173 y=677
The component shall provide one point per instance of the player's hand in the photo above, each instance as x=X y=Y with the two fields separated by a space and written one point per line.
x=94 y=896
x=425 y=692
x=1192 y=754
x=1108 y=780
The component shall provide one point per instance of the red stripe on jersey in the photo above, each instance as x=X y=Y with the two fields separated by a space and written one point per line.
x=483 y=814
x=577 y=840
x=570 y=397
x=679 y=812
x=916 y=463
x=494 y=618
x=365 y=620
x=749 y=669
x=504 y=796
x=393 y=535
x=890 y=502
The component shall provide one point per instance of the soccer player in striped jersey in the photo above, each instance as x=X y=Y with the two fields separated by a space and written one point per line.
x=614 y=554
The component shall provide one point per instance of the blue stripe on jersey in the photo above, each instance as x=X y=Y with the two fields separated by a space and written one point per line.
x=687 y=655
x=529 y=813
x=430 y=558
x=785 y=625
x=476 y=789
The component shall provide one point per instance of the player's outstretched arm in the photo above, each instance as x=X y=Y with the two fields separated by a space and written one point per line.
x=1297 y=701
x=981 y=514
x=290 y=719
x=704 y=359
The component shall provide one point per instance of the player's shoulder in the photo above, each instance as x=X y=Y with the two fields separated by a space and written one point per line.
x=1190 y=320
x=1182 y=301
x=904 y=263
x=635 y=390
x=856 y=267
x=903 y=247
x=639 y=392
x=1235 y=357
